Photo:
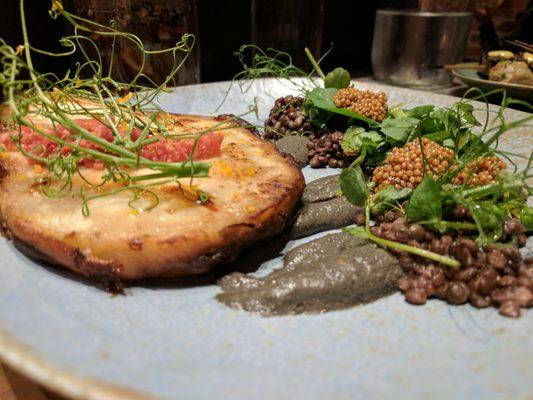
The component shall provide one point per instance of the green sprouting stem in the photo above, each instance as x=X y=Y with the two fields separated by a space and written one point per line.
x=314 y=63
x=362 y=233
x=485 y=190
x=366 y=234
x=458 y=226
x=361 y=158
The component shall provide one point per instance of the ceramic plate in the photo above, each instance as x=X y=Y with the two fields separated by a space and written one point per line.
x=174 y=340
x=471 y=77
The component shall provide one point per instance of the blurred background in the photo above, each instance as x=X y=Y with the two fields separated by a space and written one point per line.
x=347 y=28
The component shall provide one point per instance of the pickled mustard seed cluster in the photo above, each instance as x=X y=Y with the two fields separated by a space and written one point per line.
x=481 y=171
x=372 y=105
x=286 y=117
x=405 y=167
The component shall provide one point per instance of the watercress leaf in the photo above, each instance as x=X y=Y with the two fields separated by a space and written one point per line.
x=387 y=197
x=526 y=218
x=469 y=119
x=323 y=99
x=464 y=114
x=338 y=78
x=374 y=159
x=420 y=112
x=356 y=138
x=464 y=107
x=397 y=112
x=390 y=194
x=462 y=138
x=426 y=202
x=431 y=125
x=438 y=137
x=443 y=117
x=315 y=115
x=490 y=217
x=448 y=143
x=353 y=185
x=371 y=140
x=398 y=129
x=351 y=143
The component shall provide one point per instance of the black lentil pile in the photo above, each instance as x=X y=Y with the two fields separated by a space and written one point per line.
x=325 y=149
x=495 y=275
x=286 y=117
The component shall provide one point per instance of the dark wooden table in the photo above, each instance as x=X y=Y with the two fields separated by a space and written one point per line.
x=14 y=386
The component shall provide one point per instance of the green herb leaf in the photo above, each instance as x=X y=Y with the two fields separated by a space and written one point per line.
x=426 y=202
x=351 y=143
x=387 y=197
x=490 y=217
x=339 y=78
x=398 y=129
x=431 y=125
x=323 y=99
x=526 y=218
x=420 y=112
x=439 y=137
x=353 y=185
x=464 y=113
x=356 y=138
x=397 y=112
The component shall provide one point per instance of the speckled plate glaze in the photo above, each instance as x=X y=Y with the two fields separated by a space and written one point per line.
x=174 y=340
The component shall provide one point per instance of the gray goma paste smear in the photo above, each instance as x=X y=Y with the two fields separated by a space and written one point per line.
x=296 y=146
x=323 y=216
x=321 y=189
x=333 y=272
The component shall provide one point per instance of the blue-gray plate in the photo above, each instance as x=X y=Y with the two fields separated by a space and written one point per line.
x=175 y=341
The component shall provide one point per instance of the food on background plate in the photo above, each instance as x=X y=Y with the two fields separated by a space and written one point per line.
x=491 y=58
x=512 y=72
x=505 y=66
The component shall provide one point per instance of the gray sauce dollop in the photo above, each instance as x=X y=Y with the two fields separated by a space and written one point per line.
x=324 y=208
x=333 y=272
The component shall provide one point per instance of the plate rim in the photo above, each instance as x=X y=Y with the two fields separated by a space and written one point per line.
x=23 y=359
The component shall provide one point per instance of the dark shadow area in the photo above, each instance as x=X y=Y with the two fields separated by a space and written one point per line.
x=224 y=26
x=44 y=33
x=348 y=30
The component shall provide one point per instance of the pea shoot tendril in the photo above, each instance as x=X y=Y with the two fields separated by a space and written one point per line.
x=44 y=103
